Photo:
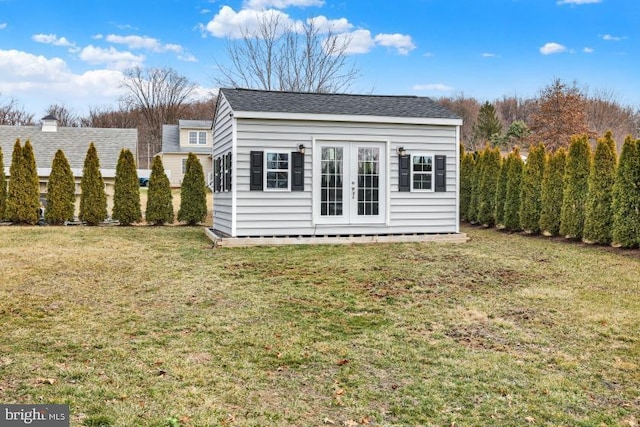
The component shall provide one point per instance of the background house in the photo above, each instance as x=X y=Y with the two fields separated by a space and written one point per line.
x=188 y=136
x=48 y=138
x=309 y=164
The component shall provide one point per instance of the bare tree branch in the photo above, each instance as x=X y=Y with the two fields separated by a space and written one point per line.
x=277 y=56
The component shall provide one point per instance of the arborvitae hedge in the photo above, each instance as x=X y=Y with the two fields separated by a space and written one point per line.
x=193 y=193
x=501 y=191
x=3 y=189
x=514 y=188
x=488 y=186
x=530 y=198
x=60 y=191
x=23 y=201
x=466 y=184
x=478 y=164
x=126 y=196
x=159 y=199
x=93 y=199
x=598 y=215
x=552 y=192
x=626 y=197
x=576 y=179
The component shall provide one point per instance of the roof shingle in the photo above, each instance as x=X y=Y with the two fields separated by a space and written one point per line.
x=339 y=104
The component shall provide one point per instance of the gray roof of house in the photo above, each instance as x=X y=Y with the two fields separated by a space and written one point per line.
x=339 y=104
x=74 y=142
x=171 y=136
x=195 y=124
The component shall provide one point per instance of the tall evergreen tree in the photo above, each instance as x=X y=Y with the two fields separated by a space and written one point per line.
x=126 y=196
x=60 y=191
x=501 y=191
x=626 y=197
x=514 y=188
x=488 y=187
x=3 y=189
x=574 y=198
x=466 y=184
x=159 y=199
x=193 y=193
x=530 y=199
x=93 y=198
x=552 y=192
x=487 y=124
x=476 y=173
x=599 y=214
x=23 y=200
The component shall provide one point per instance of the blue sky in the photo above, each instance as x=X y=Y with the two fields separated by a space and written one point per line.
x=73 y=52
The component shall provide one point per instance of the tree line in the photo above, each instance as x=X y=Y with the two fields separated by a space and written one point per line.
x=576 y=193
x=20 y=194
x=559 y=111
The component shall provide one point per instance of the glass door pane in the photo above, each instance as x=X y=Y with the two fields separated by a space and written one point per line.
x=331 y=181
x=368 y=181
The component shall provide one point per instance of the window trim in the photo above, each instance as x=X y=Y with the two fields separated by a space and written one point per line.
x=266 y=171
x=413 y=173
x=198 y=134
x=184 y=166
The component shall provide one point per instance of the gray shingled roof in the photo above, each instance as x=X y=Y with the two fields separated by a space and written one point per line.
x=171 y=137
x=340 y=104
x=74 y=142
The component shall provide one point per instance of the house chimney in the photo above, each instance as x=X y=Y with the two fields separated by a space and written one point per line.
x=49 y=124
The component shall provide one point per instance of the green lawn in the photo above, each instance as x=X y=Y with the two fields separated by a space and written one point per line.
x=150 y=326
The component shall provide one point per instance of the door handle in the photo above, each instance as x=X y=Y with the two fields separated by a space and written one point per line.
x=353 y=190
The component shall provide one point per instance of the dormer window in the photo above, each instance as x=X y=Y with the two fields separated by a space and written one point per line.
x=197 y=138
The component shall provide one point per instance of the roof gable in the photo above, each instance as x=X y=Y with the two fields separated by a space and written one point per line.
x=335 y=104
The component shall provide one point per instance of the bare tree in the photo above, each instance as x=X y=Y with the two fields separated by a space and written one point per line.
x=467 y=108
x=286 y=57
x=512 y=109
x=605 y=113
x=12 y=114
x=160 y=95
x=200 y=110
x=123 y=118
x=64 y=116
x=561 y=114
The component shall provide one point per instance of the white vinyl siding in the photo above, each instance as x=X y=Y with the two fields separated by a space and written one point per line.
x=223 y=205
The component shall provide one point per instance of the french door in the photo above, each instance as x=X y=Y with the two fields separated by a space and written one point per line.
x=350 y=182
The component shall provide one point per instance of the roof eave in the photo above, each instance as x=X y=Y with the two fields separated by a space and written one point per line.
x=269 y=115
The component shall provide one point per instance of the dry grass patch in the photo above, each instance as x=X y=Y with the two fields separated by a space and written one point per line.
x=150 y=326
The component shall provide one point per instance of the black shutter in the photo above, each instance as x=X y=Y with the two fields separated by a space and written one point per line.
x=297 y=171
x=256 y=165
x=404 y=168
x=228 y=173
x=216 y=177
x=441 y=173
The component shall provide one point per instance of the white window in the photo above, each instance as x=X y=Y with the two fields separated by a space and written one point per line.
x=184 y=166
x=277 y=171
x=422 y=172
x=197 y=138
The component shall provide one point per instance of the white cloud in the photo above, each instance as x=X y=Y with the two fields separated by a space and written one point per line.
x=551 y=48
x=187 y=57
x=489 y=55
x=435 y=87
x=111 y=57
x=401 y=42
x=229 y=23
x=39 y=81
x=52 y=39
x=3 y=25
x=587 y=50
x=140 y=42
x=359 y=41
x=610 y=38
x=281 y=4
x=335 y=25
x=578 y=2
